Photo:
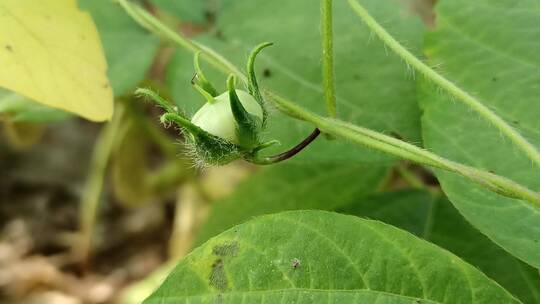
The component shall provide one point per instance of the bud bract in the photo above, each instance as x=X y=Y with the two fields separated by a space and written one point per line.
x=217 y=117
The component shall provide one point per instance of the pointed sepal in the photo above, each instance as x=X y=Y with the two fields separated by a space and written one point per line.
x=209 y=98
x=207 y=149
x=265 y=145
x=253 y=86
x=247 y=126
x=182 y=122
x=201 y=83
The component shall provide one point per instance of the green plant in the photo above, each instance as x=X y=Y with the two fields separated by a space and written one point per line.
x=228 y=126
x=422 y=189
x=230 y=267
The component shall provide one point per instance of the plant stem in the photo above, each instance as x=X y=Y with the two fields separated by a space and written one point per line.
x=328 y=57
x=94 y=184
x=342 y=129
x=146 y=20
x=405 y=150
x=446 y=84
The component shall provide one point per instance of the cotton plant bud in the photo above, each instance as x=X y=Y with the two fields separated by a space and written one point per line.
x=228 y=126
x=217 y=117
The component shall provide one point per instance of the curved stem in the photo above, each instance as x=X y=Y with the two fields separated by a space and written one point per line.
x=287 y=154
x=520 y=141
x=146 y=20
x=328 y=57
x=342 y=129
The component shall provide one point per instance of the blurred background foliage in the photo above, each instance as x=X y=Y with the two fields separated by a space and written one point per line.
x=98 y=213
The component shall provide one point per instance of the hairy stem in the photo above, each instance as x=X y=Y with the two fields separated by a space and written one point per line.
x=446 y=84
x=363 y=136
x=328 y=57
x=390 y=145
x=146 y=20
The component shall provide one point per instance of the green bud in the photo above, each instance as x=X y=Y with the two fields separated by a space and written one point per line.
x=227 y=126
x=217 y=117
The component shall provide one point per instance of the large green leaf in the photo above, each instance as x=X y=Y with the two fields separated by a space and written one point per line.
x=129 y=49
x=322 y=257
x=436 y=220
x=490 y=48
x=292 y=187
x=374 y=89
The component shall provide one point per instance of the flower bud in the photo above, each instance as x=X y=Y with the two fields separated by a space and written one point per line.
x=217 y=117
x=227 y=126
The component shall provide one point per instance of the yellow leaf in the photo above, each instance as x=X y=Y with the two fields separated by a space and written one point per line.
x=50 y=52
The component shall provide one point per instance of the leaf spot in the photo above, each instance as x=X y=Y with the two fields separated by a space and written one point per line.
x=226 y=249
x=9 y=48
x=217 y=278
x=267 y=73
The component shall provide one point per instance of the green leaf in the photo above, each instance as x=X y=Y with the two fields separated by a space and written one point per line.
x=338 y=258
x=437 y=221
x=374 y=89
x=51 y=54
x=292 y=187
x=21 y=109
x=408 y=209
x=499 y=62
x=129 y=49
